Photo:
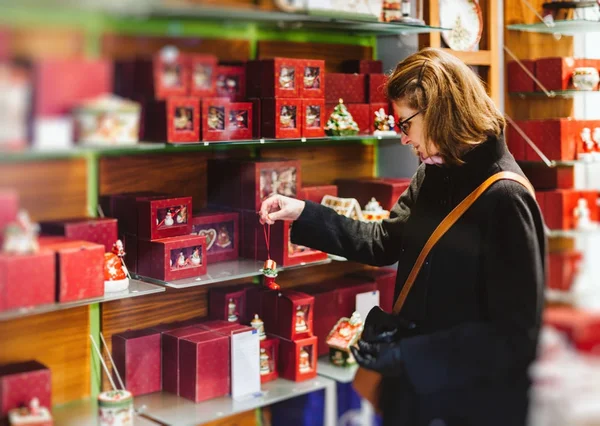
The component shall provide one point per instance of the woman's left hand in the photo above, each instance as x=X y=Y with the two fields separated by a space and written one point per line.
x=384 y=358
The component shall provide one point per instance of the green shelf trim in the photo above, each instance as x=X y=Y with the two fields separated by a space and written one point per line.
x=95 y=368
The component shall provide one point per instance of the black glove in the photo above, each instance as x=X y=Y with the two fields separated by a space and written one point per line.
x=384 y=358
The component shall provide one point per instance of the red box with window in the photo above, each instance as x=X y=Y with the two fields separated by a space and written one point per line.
x=231 y=82
x=215 y=119
x=298 y=358
x=164 y=217
x=313 y=78
x=173 y=258
x=290 y=314
x=269 y=355
x=227 y=303
x=282 y=118
x=558 y=206
x=240 y=120
x=326 y=313
x=221 y=230
x=21 y=382
x=203 y=75
x=313 y=111
x=386 y=191
x=176 y=120
x=274 y=78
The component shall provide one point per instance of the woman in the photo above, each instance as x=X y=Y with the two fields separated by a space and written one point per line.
x=477 y=301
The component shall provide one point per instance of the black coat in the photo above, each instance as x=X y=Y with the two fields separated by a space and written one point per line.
x=477 y=300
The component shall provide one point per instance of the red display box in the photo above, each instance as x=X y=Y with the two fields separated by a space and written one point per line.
x=274 y=78
x=9 y=207
x=544 y=177
x=363 y=66
x=203 y=75
x=385 y=279
x=348 y=288
x=240 y=121
x=557 y=138
x=176 y=120
x=227 y=303
x=349 y=87
x=37 y=271
x=313 y=79
x=244 y=184
x=221 y=230
x=204 y=366
x=231 y=82
x=215 y=117
x=21 y=382
x=95 y=230
x=160 y=79
x=326 y=312
x=290 y=314
x=256 y=117
x=256 y=302
x=563 y=268
x=375 y=88
x=137 y=356
x=79 y=269
x=130 y=244
x=376 y=107
x=164 y=217
x=281 y=118
x=316 y=193
x=518 y=80
x=298 y=359
x=123 y=207
x=269 y=355
x=556 y=73
x=173 y=258
x=558 y=206
x=170 y=355
x=216 y=325
x=580 y=326
x=586 y=143
x=386 y=191
x=314 y=121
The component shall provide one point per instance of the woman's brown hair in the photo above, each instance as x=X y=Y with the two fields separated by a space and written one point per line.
x=457 y=112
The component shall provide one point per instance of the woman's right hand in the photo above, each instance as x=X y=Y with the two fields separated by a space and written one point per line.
x=278 y=207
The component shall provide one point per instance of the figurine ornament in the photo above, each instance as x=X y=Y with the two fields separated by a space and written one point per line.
x=341 y=122
x=269 y=269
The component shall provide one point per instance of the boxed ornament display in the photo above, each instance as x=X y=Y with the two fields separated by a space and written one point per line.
x=256 y=302
x=363 y=66
x=316 y=193
x=227 y=303
x=174 y=120
x=167 y=74
x=340 y=121
x=544 y=177
x=203 y=75
x=519 y=80
x=240 y=124
x=386 y=191
x=231 y=82
x=215 y=119
x=123 y=207
x=314 y=118
x=274 y=78
x=281 y=118
x=313 y=79
x=349 y=87
x=137 y=357
x=344 y=335
x=290 y=314
x=95 y=230
x=385 y=279
x=361 y=113
x=375 y=88
x=164 y=217
x=568 y=208
x=298 y=358
x=221 y=229
x=556 y=73
x=563 y=267
x=348 y=288
x=30 y=415
x=23 y=381
x=382 y=122
x=326 y=312
x=269 y=355
x=173 y=258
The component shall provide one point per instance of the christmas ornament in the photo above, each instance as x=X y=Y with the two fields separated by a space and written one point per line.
x=384 y=124
x=344 y=334
x=33 y=415
x=340 y=122
x=259 y=325
x=115 y=273
x=269 y=269
x=20 y=237
x=373 y=212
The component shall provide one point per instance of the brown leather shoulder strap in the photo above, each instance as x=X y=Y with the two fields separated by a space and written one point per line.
x=447 y=223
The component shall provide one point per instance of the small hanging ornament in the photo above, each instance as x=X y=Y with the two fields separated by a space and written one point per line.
x=269 y=269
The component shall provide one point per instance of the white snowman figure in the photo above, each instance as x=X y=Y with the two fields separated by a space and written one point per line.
x=196 y=257
x=582 y=215
x=596 y=139
x=181 y=260
x=169 y=219
x=588 y=144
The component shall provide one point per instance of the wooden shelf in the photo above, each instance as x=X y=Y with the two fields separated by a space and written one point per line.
x=480 y=57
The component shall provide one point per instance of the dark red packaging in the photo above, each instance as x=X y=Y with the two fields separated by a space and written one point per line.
x=544 y=177
x=222 y=232
x=256 y=117
x=231 y=82
x=290 y=314
x=386 y=191
x=203 y=75
x=215 y=117
x=79 y=269
x=555 y=73
x=274 y=78
x=348 y=288
x=240 y=121
x=558 y=207
x=21 y=382
x=316 y=193
x=95 y=230
x=123 y=207
x=244 y=184
x=517 y=146
x=164 y=217
x=375 y=88
x=173 y=258
x=227 y=303
x=170 y=355
x=256 y=302
x=517 y=79
x=269 y=355
x=281 y=118
x=385 y=279
x=216 y=325
x=37 y=270
x=313 y=111
x=204 y=366
x=556 y=138
x=160 y=78
x=313 y=79
x=349 y=87
x=376 y=107
x=175 y=120
x=298 y=358
x=363 y=66
x=9 y=202
x=130 y=243
x=563 y=267
x=137 y=356
x=326 y=313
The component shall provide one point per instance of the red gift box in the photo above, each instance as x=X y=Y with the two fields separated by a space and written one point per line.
x=231 y=82
x=313 y=78
x=375 y=88
x=556 y=73
x=281 y=118
x=316 y=193
x=170 y=355
x=9 y=207
x=137 y=357
x=269 y=355
x=386 y=191
x=256 y=117
x=314 y=118
x=556 y=138
x=256 y=302
x=581 y=327
x=363 y=66
x=173 y=258
x=244 y=184
x=215 y=117
x=240 y=120
x=164 y=217
x=216 y=325
x=373 y=107
x=517 y=78
x=160 y=78
x=290 y=314
x=385 y=279
x=587 y=135
x=130 y=245
x=348 y=288
x=37 y=270
x=227 y=303
x=326 y=312
x=204 y=366
x=175 y=120
x=80 y=269
x=298 y=358
x=361 y=113
x=349 y=87
x=221 y=230
x=274 y=78
x=544 y=177
x=95 y=230
x=563 y=267
x=123 y=207
x=203 y=75
x=517 y=146
x=21 y=382
x=558 y=206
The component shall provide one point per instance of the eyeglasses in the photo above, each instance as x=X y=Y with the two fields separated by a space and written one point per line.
x=404 y=125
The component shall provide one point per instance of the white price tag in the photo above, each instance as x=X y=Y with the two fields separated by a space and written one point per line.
x=366 y=301
x=245 y=364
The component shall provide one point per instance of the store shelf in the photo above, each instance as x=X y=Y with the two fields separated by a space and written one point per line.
x=136 y=288
x=157 y=148
x=575 y=233
x=173 y=410
x=558 y=94
x=340 y=374
x=570 y=27
x=225 y=271
x=85 y=412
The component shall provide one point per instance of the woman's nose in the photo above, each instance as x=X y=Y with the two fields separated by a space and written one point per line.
x=404 y=140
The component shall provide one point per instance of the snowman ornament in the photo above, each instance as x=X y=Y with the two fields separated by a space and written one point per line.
x=196 y=257
x=181 y=260
x=169 y=219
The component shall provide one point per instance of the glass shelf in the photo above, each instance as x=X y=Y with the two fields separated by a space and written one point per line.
x=174 y=410
x=85 y=412
x=225 y=271
x=136 y=288
x=575 y=233
x=570 y=27
x=340 y=374
x=558 y=94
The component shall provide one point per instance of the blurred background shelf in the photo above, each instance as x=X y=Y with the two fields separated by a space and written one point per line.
x=563 y=94
x=570 y=27
x=340 y=374
x=85 y=412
